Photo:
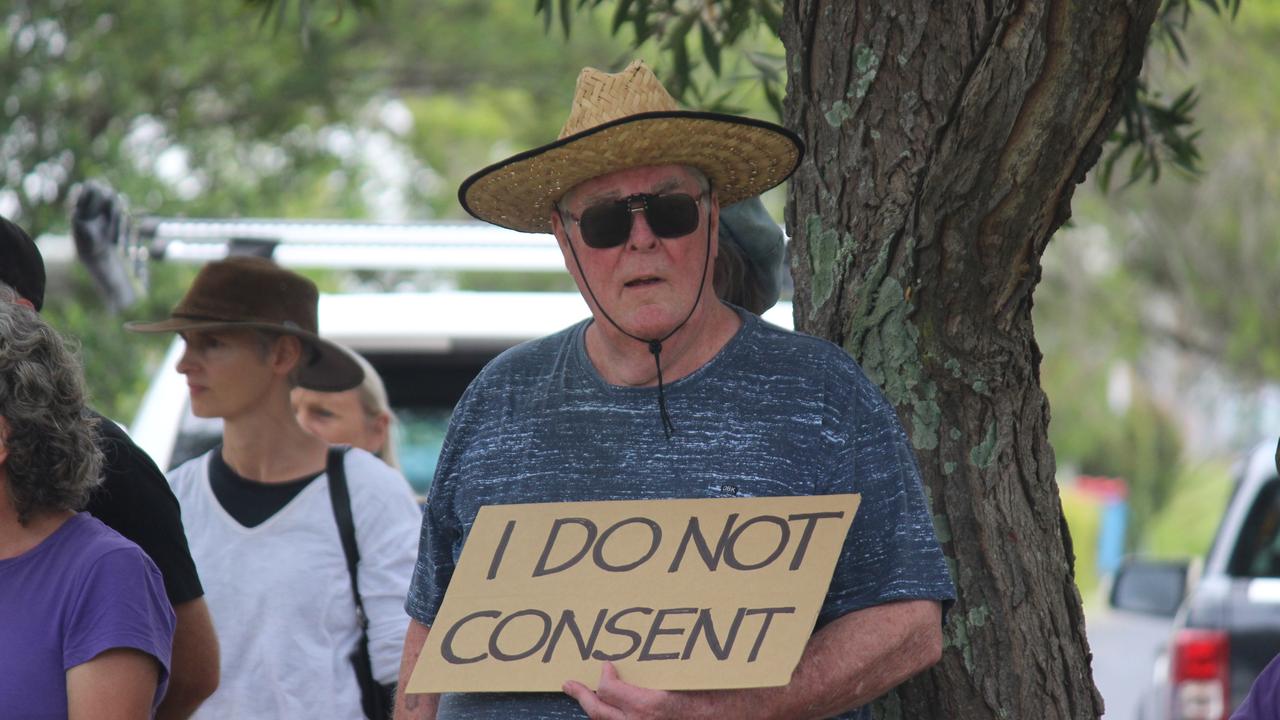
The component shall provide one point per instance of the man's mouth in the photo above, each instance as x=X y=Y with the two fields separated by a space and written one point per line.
x=643 y=281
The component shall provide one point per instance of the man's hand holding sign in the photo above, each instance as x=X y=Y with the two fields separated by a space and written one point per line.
x=678 y=594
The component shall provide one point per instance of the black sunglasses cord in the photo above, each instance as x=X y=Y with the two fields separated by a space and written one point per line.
x=655 y=346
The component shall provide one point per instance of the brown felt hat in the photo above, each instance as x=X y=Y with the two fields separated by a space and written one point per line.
x=253 y=293
x=626 y=120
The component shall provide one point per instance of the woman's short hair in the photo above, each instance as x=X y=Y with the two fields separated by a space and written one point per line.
x=53 y=462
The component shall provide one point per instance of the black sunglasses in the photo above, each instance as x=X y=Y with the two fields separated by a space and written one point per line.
x=608 y=224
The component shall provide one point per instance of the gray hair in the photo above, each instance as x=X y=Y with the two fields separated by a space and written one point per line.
x=53 y=461
x=8 y=294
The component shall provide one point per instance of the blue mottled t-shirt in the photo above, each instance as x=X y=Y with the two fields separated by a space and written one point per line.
x=774 y=413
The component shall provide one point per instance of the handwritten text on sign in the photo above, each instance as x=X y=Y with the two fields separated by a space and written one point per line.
x=680 y=594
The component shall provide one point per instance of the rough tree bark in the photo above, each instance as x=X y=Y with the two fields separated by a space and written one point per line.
x=945 y=141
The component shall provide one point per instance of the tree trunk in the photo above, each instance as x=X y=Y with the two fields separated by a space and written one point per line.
x=945 y=140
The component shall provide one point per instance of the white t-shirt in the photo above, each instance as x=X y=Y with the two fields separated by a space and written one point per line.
x=280 y=594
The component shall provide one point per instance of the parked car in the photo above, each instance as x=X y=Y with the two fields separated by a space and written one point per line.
x=1226 y=625
x=427 y=346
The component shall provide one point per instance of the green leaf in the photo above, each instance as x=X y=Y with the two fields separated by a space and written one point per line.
x=710 y=48
x=680 y=31
x=682 y=69
x=543 y=7
x=774 y=97
x=640 y=20
x=771 y=13
x=565 y=16
x=620 y=16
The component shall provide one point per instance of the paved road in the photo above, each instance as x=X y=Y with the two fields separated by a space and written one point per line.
x=1124 y=647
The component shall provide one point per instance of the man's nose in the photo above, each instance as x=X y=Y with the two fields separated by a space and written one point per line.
x=642 y=236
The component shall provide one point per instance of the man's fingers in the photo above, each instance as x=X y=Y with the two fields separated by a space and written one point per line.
x=613 y=689
x=619 y=693
x=591 y=704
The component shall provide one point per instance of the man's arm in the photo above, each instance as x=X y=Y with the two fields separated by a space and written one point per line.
x=850 y=662
x=118 y=684
x=195 y=662
x=419 y=706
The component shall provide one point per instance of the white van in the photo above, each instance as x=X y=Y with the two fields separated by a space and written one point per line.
x=427 y=346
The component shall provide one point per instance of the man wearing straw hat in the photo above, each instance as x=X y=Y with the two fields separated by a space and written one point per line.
x=668 y=392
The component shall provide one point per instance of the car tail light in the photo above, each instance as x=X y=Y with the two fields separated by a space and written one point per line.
x=1199 y=675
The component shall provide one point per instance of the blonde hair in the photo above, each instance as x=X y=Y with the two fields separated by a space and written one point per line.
x=374 y=402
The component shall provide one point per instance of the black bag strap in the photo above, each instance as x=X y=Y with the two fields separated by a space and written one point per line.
x=340 y=497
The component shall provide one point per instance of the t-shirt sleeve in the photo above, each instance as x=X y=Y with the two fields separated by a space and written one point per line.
x=440 y=530
x=386 y=516
x=892 y=551
x=136 y=501
x=1263 y=701
x=121 y=605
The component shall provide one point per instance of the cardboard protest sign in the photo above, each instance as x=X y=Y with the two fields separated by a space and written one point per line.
x=678 y=594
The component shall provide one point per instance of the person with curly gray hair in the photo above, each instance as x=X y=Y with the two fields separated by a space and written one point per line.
x=134 y=499
x=87 y=630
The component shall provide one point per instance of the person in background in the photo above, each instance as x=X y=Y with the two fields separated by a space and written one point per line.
x=134 y=500
x=360 y=417
x=258 y=508
x=85 y=628
x=749 y=264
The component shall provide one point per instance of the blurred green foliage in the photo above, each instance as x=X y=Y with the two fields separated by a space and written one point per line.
x=198 y=109
x=116 y=361
x=1184 y=270
x=1187 y=525
x=1084 y=518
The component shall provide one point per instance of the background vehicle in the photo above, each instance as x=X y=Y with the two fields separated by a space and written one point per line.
x=1227 y=627
x=426 y=345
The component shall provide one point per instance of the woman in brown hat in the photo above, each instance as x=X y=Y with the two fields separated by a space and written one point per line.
x=258 y=509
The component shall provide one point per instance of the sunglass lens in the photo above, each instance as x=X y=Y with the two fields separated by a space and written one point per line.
x=606 y=225
x=672 y=216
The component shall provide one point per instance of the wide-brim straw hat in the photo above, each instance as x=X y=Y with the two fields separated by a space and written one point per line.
x=253 y=293
x=626 y=120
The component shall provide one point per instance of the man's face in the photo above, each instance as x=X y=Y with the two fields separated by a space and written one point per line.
x=648 y=284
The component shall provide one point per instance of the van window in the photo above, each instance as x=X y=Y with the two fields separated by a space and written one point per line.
x=1257 y=550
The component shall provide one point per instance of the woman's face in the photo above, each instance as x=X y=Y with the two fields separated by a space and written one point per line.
x=228 y=373
x=339 y=418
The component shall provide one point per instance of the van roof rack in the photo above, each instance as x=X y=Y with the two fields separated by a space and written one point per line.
x=351 y=244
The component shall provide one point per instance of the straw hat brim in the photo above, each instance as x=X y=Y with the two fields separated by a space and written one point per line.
x=330 y=369
x=742 y=157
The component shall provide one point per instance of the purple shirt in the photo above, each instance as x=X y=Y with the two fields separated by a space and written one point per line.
x=1263 y=702
x=80 y=592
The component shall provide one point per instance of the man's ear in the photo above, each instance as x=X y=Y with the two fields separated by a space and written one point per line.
x=562 y=239
x=25 y=302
